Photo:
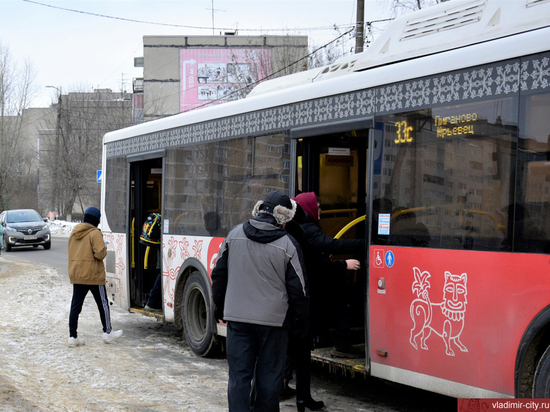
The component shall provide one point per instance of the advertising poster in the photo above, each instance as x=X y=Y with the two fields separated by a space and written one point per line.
x=219 y=75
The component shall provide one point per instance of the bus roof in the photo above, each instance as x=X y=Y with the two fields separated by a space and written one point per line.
x=446 y=26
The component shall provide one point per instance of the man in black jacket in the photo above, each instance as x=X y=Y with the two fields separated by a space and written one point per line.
x=257 y=278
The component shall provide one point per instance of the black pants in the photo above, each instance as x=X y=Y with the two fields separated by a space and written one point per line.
x=255 y=352
x=100 y=295
x=155 y=295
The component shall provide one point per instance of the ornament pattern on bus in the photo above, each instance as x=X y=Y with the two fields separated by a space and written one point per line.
x=445 y=319
x=463 y=86
x=115 y=285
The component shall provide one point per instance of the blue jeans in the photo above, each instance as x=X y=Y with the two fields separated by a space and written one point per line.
x=255 y=353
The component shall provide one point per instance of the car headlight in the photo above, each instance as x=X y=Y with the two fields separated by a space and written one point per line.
x=10 y=228
x=44 y=227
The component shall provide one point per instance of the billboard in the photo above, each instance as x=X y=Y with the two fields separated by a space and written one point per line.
x=217 y=75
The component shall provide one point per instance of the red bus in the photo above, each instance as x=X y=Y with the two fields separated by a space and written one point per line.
x=433 y=145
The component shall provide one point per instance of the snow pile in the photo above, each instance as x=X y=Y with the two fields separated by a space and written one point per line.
x=61 y=227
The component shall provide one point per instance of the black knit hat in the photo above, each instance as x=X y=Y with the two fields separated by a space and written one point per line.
x=92 y=216
x=277 y=204
x=94 y=211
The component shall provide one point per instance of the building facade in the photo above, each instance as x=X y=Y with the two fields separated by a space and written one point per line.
x=182 y=73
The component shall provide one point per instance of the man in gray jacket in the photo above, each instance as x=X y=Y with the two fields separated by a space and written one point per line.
x=258 y=286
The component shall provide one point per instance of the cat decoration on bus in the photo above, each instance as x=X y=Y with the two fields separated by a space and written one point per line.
x=445 y=319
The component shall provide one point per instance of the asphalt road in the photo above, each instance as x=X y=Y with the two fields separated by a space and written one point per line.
x=56 y=257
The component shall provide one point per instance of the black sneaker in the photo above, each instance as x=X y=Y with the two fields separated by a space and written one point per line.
x=345 y=350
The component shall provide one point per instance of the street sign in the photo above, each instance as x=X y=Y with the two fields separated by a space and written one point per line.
x=99 y=176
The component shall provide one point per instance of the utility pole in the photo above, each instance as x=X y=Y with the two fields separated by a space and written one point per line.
x=359 y=27
x=55 y=175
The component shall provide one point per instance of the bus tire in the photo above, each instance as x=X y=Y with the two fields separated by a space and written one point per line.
x=541 y=382
x=197 y=316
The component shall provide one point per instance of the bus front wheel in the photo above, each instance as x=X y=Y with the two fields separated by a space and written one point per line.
x=197 y=316
x=541 y=383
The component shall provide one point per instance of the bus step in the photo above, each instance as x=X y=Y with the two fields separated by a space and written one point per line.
x=347 y=366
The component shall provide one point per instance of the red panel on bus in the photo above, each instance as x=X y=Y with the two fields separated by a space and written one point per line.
x=213 y=249
x=454 y=314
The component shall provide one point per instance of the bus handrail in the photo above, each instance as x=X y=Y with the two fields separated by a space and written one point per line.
x=349 y=225
x=337 y=211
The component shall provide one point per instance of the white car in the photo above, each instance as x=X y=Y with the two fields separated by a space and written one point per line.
x=24 y=227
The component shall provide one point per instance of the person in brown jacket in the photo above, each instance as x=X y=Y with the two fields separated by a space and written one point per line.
x=87 y=274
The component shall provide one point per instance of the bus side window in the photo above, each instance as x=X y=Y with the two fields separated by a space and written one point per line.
x=406 y=230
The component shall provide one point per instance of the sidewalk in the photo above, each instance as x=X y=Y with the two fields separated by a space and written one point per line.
x=149 y=369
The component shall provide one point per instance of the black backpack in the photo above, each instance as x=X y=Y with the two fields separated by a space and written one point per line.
x=150 y=233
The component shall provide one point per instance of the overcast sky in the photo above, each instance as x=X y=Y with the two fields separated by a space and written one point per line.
x=93 y=44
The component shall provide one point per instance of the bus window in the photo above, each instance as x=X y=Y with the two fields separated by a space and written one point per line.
x=333 y=166
x=221 y=182
x=447 y=176
x=116 y=183
x=529 y=218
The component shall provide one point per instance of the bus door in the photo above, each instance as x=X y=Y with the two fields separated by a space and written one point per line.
x=145 y=257
x=334 y=166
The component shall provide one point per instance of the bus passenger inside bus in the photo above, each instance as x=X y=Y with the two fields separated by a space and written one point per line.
x=150 y=237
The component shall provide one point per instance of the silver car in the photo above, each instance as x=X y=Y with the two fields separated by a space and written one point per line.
x=24 y=227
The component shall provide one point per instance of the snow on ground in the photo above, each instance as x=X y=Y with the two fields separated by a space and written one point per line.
x=148 y=369
x=61 y=227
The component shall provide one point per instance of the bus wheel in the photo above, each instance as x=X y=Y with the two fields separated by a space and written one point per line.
x=541 y=383
x=197 y=316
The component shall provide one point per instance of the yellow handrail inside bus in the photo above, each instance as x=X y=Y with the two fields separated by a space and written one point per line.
x=350 y=225
x=133 y=234
x=338 y=211
x=146 y=260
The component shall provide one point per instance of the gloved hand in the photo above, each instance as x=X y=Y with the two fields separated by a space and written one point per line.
x=218 y=314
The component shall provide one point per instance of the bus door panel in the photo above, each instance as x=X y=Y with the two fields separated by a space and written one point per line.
x=114 y=227
x=115 y=269
x=334 y=167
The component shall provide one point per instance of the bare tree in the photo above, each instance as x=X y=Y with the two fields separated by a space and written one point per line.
x=324 y=55
x=73 y=152
x=399 y=7
x=16 y=154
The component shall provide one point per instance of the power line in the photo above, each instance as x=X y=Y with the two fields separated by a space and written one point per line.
x=170 y=24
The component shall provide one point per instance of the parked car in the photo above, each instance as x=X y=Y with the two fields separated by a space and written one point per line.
x=25 y=227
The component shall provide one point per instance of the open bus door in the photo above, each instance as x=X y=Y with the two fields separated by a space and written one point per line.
x=145 y=198
x=334 y=166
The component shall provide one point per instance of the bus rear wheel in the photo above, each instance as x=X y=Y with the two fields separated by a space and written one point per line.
x=197 y=316
x=541 y=383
